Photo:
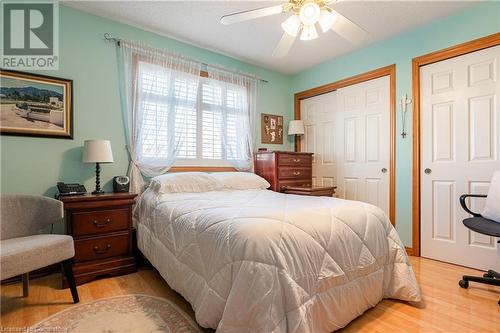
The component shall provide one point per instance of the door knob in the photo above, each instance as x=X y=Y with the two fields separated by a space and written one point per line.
x=384 y=170
x=427 y=171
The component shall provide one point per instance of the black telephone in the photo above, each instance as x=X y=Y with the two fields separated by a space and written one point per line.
x=70 y=189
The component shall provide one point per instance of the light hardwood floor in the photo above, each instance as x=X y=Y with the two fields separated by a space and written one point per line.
x=446 y=307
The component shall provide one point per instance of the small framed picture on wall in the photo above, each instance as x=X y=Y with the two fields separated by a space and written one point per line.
x=35 y=105
x=271 y=128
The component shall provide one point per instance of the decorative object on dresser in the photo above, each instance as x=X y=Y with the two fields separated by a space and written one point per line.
x=315 y=191
x=101 y=226
x=271 y=128
x=284 y=168
x=97 y=151
x=121 y=184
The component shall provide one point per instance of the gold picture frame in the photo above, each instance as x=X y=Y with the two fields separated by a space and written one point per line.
x=271 y=128
x=35 y=105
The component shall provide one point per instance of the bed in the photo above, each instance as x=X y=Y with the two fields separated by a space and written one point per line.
x=253 y=260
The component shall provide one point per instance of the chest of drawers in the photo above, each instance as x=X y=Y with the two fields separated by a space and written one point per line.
x=283 y=169
x=101 y=226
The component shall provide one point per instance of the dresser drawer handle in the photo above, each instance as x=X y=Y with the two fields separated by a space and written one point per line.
x=102 y=251
x=296 y=160
x=296 y=173
x=102 y=224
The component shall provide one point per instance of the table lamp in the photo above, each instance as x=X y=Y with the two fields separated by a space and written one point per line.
x=296 y=127
x=97 y=151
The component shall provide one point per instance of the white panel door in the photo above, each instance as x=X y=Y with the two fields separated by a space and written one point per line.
x=363 y=144
x=318 y=114
x=348 y=132
x=460 y=150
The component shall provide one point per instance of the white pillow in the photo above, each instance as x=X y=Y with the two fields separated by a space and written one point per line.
x=241 y=180
x=185 y=182
x=492 y=207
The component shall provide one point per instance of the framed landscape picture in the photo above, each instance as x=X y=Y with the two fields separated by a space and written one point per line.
x=35 y=105
x=271 y=128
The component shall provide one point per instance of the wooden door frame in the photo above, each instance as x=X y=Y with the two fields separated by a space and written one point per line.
x=427 y=59
x=374 y=74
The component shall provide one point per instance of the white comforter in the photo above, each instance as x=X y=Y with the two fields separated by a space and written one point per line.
x=261 y=261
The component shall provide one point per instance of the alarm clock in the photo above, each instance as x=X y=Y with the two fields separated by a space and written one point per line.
x=121 y=184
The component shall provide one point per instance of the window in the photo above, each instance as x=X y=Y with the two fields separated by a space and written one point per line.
x=197 y=116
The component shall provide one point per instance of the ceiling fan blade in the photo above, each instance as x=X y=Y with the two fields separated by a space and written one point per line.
x=283 y=46
x=348 y=30
x=251 y=14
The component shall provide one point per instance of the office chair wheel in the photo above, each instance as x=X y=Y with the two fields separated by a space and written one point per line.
x=492 y=273
x=464 y=284
x=488 y=275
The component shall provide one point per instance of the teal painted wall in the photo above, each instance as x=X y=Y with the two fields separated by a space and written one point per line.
x=475 y=22
x=34 y=165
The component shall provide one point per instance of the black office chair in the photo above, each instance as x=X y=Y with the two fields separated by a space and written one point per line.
x=483 y=226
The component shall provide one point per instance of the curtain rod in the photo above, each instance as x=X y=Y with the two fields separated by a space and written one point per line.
x=117 y=41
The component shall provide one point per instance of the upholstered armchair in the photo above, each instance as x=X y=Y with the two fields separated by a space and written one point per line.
x=23 y=249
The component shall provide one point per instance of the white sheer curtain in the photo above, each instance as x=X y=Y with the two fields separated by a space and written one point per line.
x=237 y=110
x=159 y=94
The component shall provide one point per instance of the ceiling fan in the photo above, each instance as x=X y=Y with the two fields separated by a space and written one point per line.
x=305 y=15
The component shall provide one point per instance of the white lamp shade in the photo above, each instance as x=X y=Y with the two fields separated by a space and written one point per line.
x=309 y=13
x=291 y=25
x=326 y=20
x=308 y=33
x=296 y=127
x=97 y=151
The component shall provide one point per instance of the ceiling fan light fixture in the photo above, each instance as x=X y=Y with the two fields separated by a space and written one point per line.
x=308 y=33
x=305 y=14
x=326 y=19
x=309 y=13
x=291 y=25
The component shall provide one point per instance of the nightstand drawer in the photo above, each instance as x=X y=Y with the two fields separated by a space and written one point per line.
x=295 y=159
x=100 y=222
x=294 y=173
x=316 y=191
x=285 y=183
x=101 y=247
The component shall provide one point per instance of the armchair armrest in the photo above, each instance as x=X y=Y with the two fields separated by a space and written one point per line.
x=464 y=205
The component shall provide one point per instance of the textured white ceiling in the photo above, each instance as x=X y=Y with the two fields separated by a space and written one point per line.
x=197 y=22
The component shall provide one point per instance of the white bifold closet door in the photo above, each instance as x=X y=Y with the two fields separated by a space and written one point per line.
x=348 y=131
x=460 y=149
x=364 y=121
x=318 y=114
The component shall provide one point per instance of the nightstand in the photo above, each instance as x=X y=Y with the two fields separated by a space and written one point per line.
x=101 y=226
x=315 y=191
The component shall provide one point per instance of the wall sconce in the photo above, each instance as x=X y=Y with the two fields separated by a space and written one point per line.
x=404 y=102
